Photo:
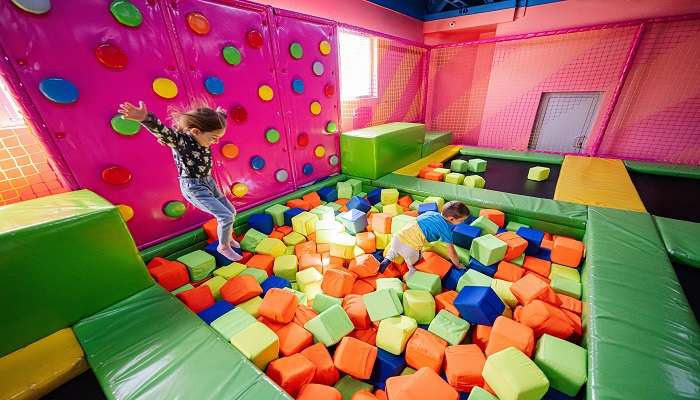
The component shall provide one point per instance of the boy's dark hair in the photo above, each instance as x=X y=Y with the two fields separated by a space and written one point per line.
x=455 y=209
x=201 y=117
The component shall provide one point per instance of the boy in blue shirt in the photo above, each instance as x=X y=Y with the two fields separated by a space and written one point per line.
x=429 y=227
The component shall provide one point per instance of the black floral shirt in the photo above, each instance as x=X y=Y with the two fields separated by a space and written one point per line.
x=192 y=159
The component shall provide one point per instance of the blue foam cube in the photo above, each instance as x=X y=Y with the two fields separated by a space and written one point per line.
x=375 y=196
x=386 y=366
x=379 y=255
x=220 y=259
x=450 y=280
x=262 y=223
x=463 y=234
x=553 y=394
x=545 y=254
x=358 y=203
x=219 y=308
x=291 y=213
x=533 y=237
x=425 y=207
x=328 y=194
x=489 y=270
x=274 y=281
x=479 y=305
x=501 y=230
x=354 y=221
x=470 y=219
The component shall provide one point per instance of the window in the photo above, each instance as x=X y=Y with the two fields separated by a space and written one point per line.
x=358 y=69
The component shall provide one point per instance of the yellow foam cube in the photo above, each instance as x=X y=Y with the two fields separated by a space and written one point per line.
x=252 y=306
x=230 y=270
x=502 y=289
x=307 y=277
x=389 y=196
x=382 y=240
x=327 y=229
x=343 y=246
x=394 y=332
x=258 y=343
x=312 y=289
x=294 y=239
x=304 y=223
x=437 y=200
x=271 y=247
x=392 y=209
x=565 y=272
x=215 y=285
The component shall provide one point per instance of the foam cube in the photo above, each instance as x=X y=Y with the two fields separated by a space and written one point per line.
x=172 y=274
x=392 y=210
x=389 y=196
x=419 y=305
x=291 y=373
x=313 y=199
x=328 y=194
x=279 y=305
x=425 y=350
x=344 y=190
x=566 y=286
x=374 y=196
x=232 y=322
x=459 y=165
x=449 y=327
x=400 y=221
x=215 y=284
x=355 y=307
x=293 y=239
x=258 y=343
x=364 y=266
x=251 y=239
x=423 y=384
x=366 y=241
x=337 y=282
x=322 y=302
x=445 y=301
x=508 y=333
x=381 y=223
x=513 y=376
x=343 y=246
x=393 y=284
x=518 y=261
x=335 y=206
x=496 y=216
x=263 y=222
x=229 y=271
x=188 y=287
x=508 y=271
x=326 y=372
x=258 y=274
x=276 y=212
x=314 y=391
x=530 y=288
x=349 y=386
x=330 y=325
x=323 y=212
x=215 y=311
x=354 y=221
x=545 y=318
x=356 y=185
x=564 y=364
x=464 y=234
x=473 y=278
x=538 y=174
x=355 y=358
x=478 y=393
x=327 y=230
x=476 y=165
x=437 y=200
x=489 y=270
x=479 y=305
x=424 y=281
x=534 y=239
x=197 y=299
x=386 y=366
x=263 y=262
x=308 y=277
x=251 y=306
x=199 y=264
x=463 y=366
x=451 y=279
x=425 y=207
x=304 y=223
x=516 y=245
x=502 y=289
x=359 y=203
x=210 y=248
x=442 y=171
x=488 y=249
x=382 y=304
x=271 y=247
x=285 y=266
x=486 y=225
x=415 y=204
x=240 y=289
x=382 y=240
x=564 y=272
x=567 y=251
x=537 y=265
x=474 y=181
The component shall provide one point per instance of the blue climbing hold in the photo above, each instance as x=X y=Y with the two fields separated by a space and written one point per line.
x=214 y=85
x=59 y=90
x=257 y=163
x=298 y=86
x=307 y=169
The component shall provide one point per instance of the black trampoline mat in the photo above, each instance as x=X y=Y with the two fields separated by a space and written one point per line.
x=669 y=196
x=84 y=387
x=511 y=176
x=689 y=277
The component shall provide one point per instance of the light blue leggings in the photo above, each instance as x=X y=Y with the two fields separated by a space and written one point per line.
x=204 y=194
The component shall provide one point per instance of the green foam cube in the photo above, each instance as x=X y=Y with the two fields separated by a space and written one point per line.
x=488 y=249
x=394 y=284
x=419 y=305
x=518 y=261
x=439 y=248
x=312 y=290
x=251 y=239
x=183 y=288
x=477 y=165
x=330 y=326
x=435 y=199
x=323 y=212
x=373 y=209
x=400 y=221
x=563 y=362
x=473 y=278
x=454 y=177
x=514 y=226
x=478 y=393
x=424 y=281
x=215 y=284
x=462 y=254
x=251 y=306
x=394 y=332
x=304 y=223
x=307 y=277
x=293 y=239
x=258 y=343
x=538 y=174
x=361 y=194
x=379 y=207
x=286 y=267
x=513 y=376
x=564 y=272
x=459 y=165
x=474 y=181
x=443 y=171
x=344 y=190
x=289 y=251
x=322 y=302
x=414 y=205
x=300 y=295
x=348 y=386
x=271 y=247
x=335 y=206
x=229 y=271
x=199 y=264
x=232 y=322
x=449 y=327
x=392 y=209
x=277 y=213
x=259 y=274
x=566 y=286
x=408 y=371
x=389 y=196
x=382 y=304
x=487 y=226
x=356 y=186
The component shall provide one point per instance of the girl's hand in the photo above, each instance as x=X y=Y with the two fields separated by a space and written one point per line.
x=130 y=111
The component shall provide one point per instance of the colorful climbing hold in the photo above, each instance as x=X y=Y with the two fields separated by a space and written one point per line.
x=320 y=151
x=307 y=169
x=33 y=6
x=254 y=39
x=265 y=93
x=229 y=150
x=111 y=56
x=116 y=175
x=126 y=212
x=231 y=54
x=214 y=85
x=281 y=175
x=333 y=160
x=174 y=209
x=272 y=135
x=315 y=107
x=303 y=140
x=257 y=163
x=296 y=51
x=126 y=13
x=123 y=126
x=331 y=127
x=317 y=68
x=239 y=114
x=298 y=86
x=165 y=88
x=198 y=23
x=59 y=90
x=329 y=90
x=239 y=189
x=324 y=47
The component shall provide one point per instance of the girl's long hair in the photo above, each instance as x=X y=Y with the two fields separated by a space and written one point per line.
x=197 y=114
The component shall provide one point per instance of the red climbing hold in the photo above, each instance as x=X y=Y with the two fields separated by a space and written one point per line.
x=111 y=56
x=116 y=175
x=329 y=90
x=254 y=39
x=303 y=140
x=239 y=114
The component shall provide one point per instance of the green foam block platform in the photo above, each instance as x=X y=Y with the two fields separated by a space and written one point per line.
x=434 y=141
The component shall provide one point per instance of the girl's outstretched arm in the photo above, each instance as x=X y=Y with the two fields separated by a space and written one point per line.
x=164 y=134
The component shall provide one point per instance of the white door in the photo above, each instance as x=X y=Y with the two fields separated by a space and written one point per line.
x=564 y=121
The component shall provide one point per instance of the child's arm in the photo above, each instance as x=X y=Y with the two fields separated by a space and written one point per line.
x=164 y=134
x=453 y=256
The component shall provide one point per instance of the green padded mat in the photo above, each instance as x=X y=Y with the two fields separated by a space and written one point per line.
x=530 y=156
x=682 y=171
x=150 y=346
x=643 y=340
x=62 y=258
x=435 y=141
x=682 y=240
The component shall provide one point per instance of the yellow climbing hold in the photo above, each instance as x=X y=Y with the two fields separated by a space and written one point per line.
x=319 y=151
x=165 y=88
x=126 y=212
x=315 y=107
x=324 y=47
x=265 y=93
x=239 y=189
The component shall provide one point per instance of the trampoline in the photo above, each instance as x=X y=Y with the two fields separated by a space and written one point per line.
x=668 y=196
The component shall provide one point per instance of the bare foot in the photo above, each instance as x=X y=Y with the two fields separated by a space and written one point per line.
x=229 y=253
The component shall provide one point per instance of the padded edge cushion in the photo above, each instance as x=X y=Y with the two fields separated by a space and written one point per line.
x=544 y=158
x=642 y=338
x=150 y=346
x=681 y=240
x=682 y=171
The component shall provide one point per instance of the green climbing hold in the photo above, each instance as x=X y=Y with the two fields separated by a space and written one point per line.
x=126 y=127
x=174 y=209
x=272 y=135
x=126 y=13
x=232 y=55
x=296 y=51
x=331 y=127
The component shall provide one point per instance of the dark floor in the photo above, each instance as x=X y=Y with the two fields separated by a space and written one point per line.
x=689 y=278
x=83 y=387
x=511 y=176
x=669 y=196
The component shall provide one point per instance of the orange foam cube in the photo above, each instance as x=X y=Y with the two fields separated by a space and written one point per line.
x=545 y=318
x=210 y=229
x=274 y=325
x=157 y=262
x=362 y=287
x=481 y=335
x=405 y=201
x=496 y=216
x=299 y=203
x=516 y=245
x=313 y=199
x=381 y=223
x=293 y=339
x=364 y=266
x=529 y=288
x=263 y=262
x=432 y=263
x=576 y=322
x=310 y=260
x=276 y=235
x=366 y=241
x=305 y=248
x=279 y=305
x=343 y=204
x=337 y=282
x=303 y=315
x=284 y=229
x=463 y=366
x=435 y=165
x=197 y=299
x=326 y=372
x=323 y=248
x=423 y=384
x=570 y=304
x=508 y=333
x=355 y=307
x=291 y=372
x=380 y=394
x=446 y=301
x=434 y=176
x=411 y=213
x=314 y=391
x=363 y=395
x=547 y=244
x=368 y=335
x=509 y=272
x=537 y=265
x=240 y=288
x=423 y=171
x=538 y=276
x=355 y=358
x=567 y=251
x=425 y=350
